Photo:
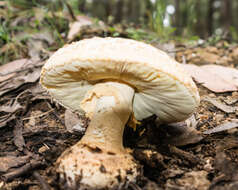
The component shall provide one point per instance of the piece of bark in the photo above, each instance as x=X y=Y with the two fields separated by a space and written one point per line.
x=18 y=137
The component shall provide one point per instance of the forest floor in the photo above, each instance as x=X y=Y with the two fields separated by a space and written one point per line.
x=35 y=131
x=199 y=153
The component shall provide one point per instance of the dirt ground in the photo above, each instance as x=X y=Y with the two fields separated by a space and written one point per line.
x=34 y=133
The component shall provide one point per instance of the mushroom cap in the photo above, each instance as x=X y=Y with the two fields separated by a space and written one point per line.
x=161 y=85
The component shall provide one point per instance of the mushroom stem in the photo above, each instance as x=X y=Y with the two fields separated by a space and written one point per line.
x=109 y=106
x=99 y=160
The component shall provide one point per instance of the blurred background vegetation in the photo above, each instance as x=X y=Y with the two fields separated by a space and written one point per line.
x=202 y=18
x=25 y=20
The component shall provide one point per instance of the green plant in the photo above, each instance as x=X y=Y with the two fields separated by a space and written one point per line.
x=4 y=34
x=158 y=17
x=140 y=34
x=156 y=20
x=234 y=33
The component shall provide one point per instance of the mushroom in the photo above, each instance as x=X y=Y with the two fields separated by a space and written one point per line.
x=113 y=81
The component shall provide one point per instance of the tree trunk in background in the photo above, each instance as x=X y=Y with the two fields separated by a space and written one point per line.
x=108 y=7
x=135 y=12
x=177 y=17
x=129 y=6
x=210 y=17
x=119 y=11
x=199 y=29
x=226 y=16
x=98 y=9
x=141 y=12
x=81 y=6
x=148 y=13
x=184 y=16
x=235 y=14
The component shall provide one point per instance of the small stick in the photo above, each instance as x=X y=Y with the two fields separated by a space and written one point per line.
x=71 y=12
x=184 y=155
x=55 y=114
x=134 y=186
x=37 y=116
x=22 y=170
x=43 y=183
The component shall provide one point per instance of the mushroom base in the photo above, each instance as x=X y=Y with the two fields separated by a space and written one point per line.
x=85 y=167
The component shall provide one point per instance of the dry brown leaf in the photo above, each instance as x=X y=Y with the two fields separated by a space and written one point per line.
x=38 y=44
x=231 y=100
x=29 y=76
x=221 y=106
x=223 y=127
x=11 y=108
x=3 y=3
x=76 y=27
x=7 y=70
x=228 y=74
x=73 y=122
x=167 y=47
x=215 y=80
x=183 y=133
x=5 y=119
x=207 y=57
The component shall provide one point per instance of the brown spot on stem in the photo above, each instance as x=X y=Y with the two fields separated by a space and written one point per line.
x=102 y=169
x=111 y=153
x=129 y=172
x=94 y=149
x=119 y=178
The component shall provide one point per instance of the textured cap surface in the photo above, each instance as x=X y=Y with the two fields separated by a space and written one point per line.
x=161 y=86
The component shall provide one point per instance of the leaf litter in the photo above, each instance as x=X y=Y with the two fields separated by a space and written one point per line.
x=215 y=78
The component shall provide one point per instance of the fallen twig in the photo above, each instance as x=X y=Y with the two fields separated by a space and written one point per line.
x=134 y=186
x=184 y=155
x=37 y=116
x=43 y=183
x=22 y=170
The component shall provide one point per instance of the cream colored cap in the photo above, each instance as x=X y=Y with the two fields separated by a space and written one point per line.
x=161 y=86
